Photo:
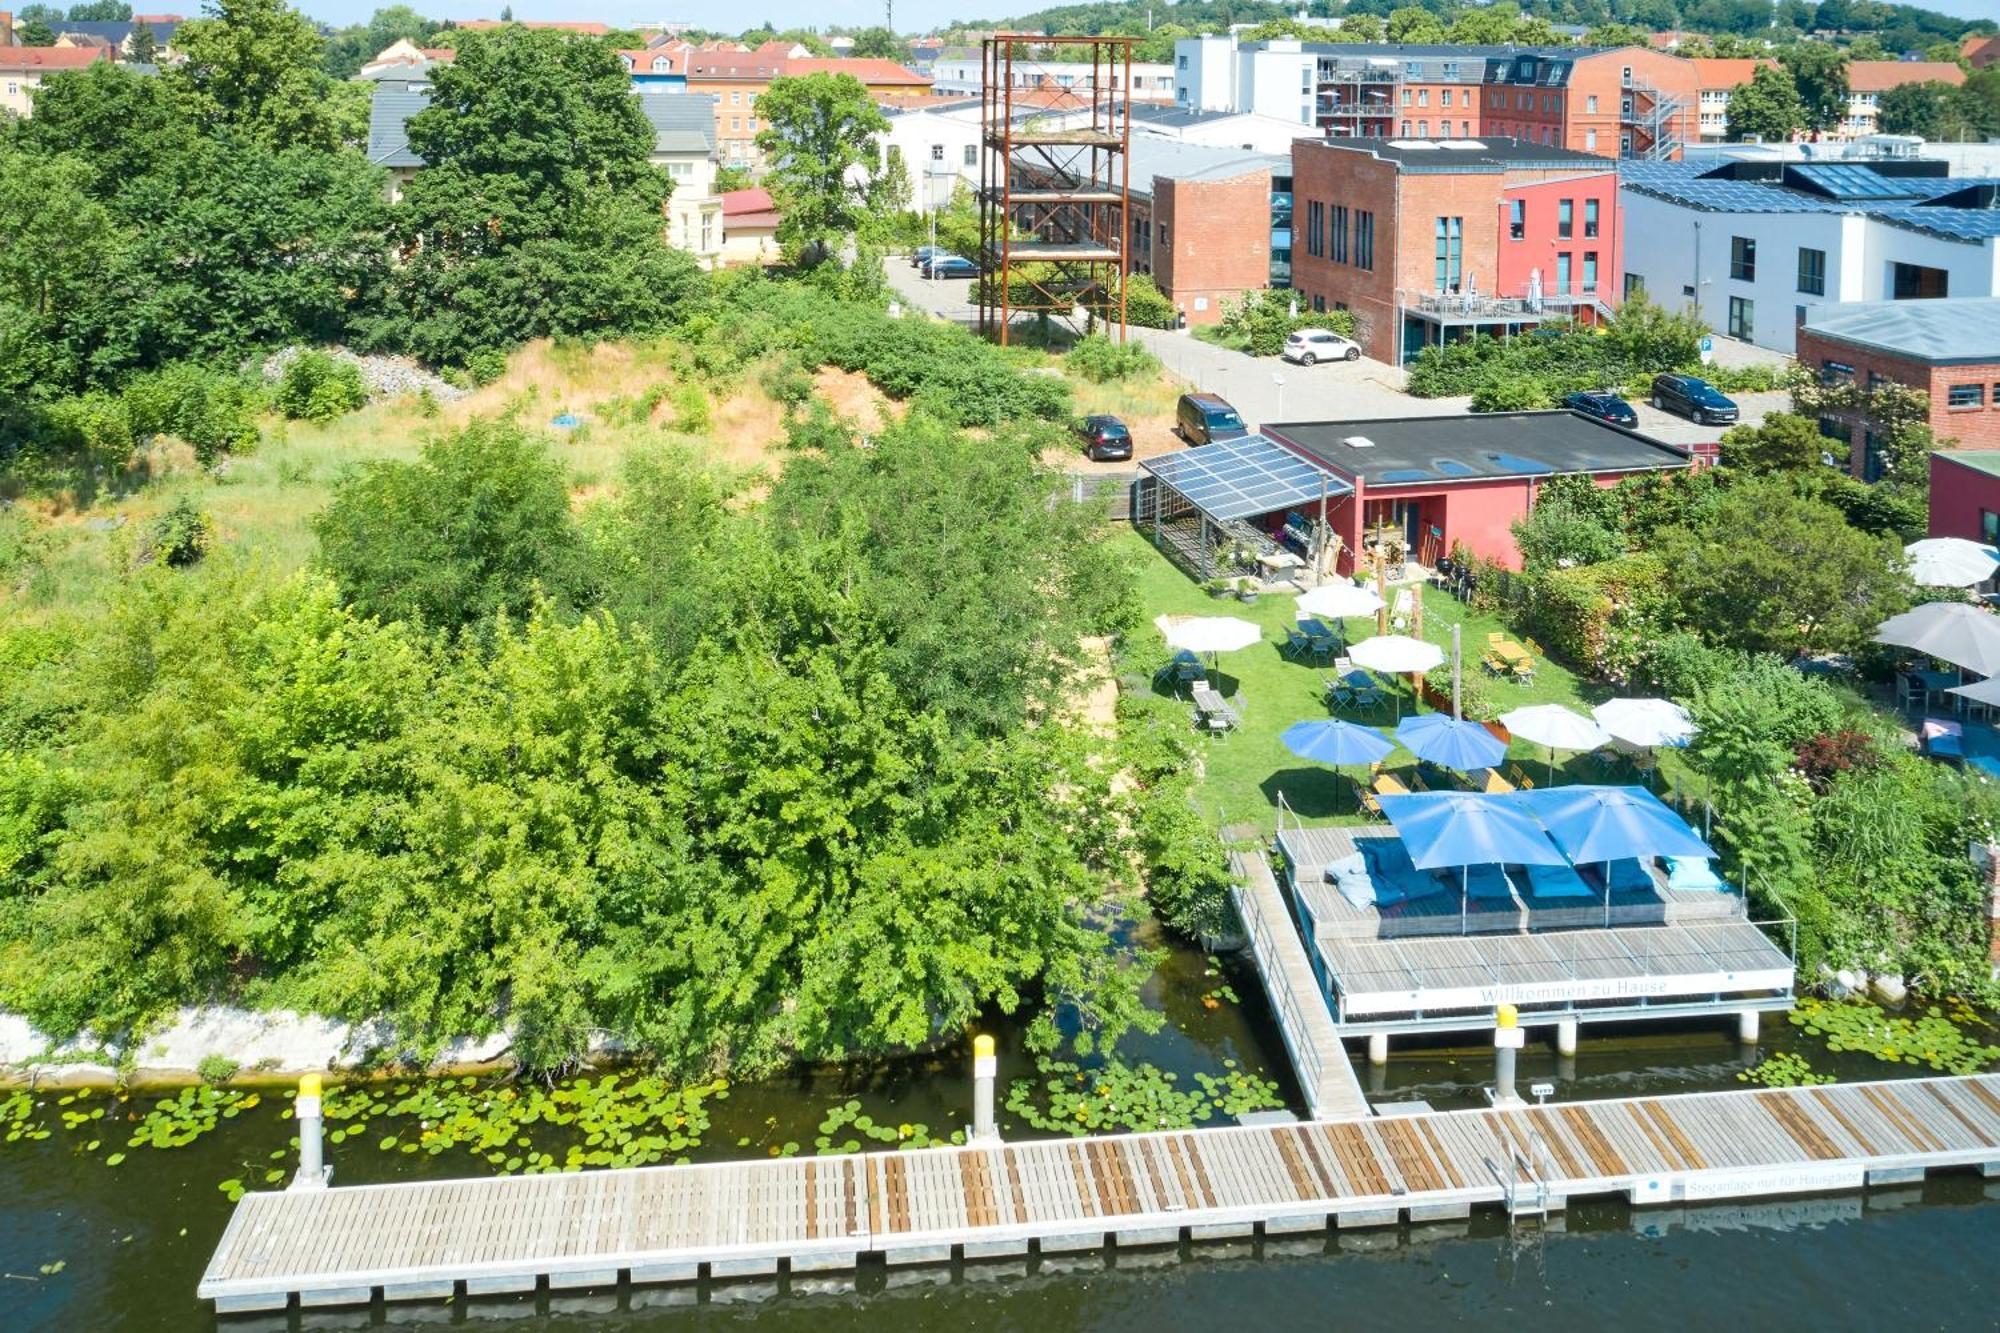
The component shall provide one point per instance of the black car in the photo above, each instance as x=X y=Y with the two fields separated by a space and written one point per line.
x=1604 y=406
x=948 y=266
x=1105 y=438
x=1694 y=398
x=1203 y=418
x=922 y=254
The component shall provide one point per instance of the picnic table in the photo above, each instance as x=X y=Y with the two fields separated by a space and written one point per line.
x=1922 y=684
x=1325 y=640
x=1212 y=711
x=1356 y=686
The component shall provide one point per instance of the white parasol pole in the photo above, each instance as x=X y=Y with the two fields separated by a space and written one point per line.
x=1457 y=667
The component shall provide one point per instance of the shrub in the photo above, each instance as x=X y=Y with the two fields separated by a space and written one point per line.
x=1100 y=360
x=485 y=366
x=1146 y=306
x=215 y=1068
x=214 y=413
x=1524 y=394
x=318 y=386
x=1475 y=694
x=180 y=536
x=788 y=382
x=1264 y=320
x=1824 y=757
x=1601 y=617
x=690 y=404
x=95 y=429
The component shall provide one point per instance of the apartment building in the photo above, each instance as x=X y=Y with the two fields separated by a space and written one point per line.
x=1715 y=79
x=1428 y=241
x=1867 y=80
x=23 y=68
x=736 y=78
x=1760 y=245
x=1610 y=101
x=960 y=74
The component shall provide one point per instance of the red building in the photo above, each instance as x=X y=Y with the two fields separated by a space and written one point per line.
x=1948 y=349
x=1429 y=241
x=1965 y=494
x=1452 y=481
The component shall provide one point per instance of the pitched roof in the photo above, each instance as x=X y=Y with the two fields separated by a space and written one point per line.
x=1875 y=76
x=1962 y=329
x=746 y=201
x=36 y=58
x=641 y=62
x=389 y=115
x=682 y=122
x=586 y=29
x=1712 y=72
x=871 y=71
x=757 y=66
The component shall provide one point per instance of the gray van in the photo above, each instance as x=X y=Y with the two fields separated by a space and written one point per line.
x=1203 y=418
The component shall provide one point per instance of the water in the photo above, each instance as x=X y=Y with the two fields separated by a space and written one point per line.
x=132 y=1240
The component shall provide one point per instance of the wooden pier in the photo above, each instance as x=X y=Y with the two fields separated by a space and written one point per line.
x=430 y=1240
x=1325 y=1073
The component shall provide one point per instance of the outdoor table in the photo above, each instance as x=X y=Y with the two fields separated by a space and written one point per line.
x=1210 y=704
x=1278 y=565
x=1933 y=682
x=1511 y=652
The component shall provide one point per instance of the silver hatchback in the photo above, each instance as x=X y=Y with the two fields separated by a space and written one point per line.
x=1309 y=346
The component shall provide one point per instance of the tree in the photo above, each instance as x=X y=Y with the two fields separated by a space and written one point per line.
x=35 y=32
x=1361 y=28
x=819 y=137
x=1783 y=442
x=1567 y=527
x=1771 y=571
x=537 y=211
x=351 y=47
x=1768 y=107
x=1615 y=34
x=1819 y=74
x=101 y=11
x=1413 y=23
x=143 y=47
x=733 y=178
x=255 y=68
x=479 y=527
x=879 y=43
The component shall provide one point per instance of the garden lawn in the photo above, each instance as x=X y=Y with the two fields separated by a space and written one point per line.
x=1245 y=771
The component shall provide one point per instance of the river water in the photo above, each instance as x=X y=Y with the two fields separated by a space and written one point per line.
x=86 y=1245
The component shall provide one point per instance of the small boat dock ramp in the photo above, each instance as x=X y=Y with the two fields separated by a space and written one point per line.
x=1408 y=932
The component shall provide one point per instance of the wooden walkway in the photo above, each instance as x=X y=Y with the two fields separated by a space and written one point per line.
x=1325 y=1074
x=597 y=1228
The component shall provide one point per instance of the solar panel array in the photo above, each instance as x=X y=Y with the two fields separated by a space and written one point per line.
x=1243 y=478
x=1848 y=181
x=1964 y=224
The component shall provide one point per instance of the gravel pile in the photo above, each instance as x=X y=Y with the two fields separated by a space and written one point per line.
x=384 y=376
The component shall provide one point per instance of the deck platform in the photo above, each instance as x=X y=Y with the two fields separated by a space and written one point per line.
x=426 y=1240
x=1325 y=1074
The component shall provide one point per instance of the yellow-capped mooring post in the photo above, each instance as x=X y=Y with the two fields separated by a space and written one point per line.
x=985 y=1068
x=1507 y=1039
x=312 y=1165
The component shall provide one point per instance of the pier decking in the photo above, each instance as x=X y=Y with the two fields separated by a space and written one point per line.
x=423 y=1240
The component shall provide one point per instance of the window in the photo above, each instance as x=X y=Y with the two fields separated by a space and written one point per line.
x=1465 y=129
x=1523 y=102
x=736 y=122
x=1989 y=526
x=736 y=97
x=1562 y=273
x=1450 y=252
x=1835 y=372
x=1812 y=271
x=1339 y=234
x=1423 y=129
x=1413 y=68
x=1742 y=318
x=1914 y=282
x=1451 y=72
x=1444 y=97
x=1406 y=129
x=1406 y=96
x=1180 y=62
x=1625 y=107
x=1315 y=225
x=1627 y=76
x=937 y=152
x=1743 y=258
x=1423 y=97
x=1590 y=104
x=1965 y=395
x=1875 y=380
x=1625 y=144
x=1163 y=233
x=1590 y=141
x=1635 y=285
x=1565 y=218
x=1364 y=239
x=680 y=171
x=1517 y=219
x=1590 y=219
x=1590 y=270
x=1319 y=304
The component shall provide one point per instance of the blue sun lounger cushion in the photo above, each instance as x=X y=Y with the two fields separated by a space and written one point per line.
x=1397 y=879
x=1487 y=882
x=1628 y=876
x=1693 y=874
x=1557 y=882
x=1350 y=875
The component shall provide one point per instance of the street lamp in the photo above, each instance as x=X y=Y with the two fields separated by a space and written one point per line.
x=1279 y=380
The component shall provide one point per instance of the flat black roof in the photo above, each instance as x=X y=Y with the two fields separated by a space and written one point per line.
x=1428 y=451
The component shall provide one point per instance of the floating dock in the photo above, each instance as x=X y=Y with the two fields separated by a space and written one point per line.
x=431 y=1240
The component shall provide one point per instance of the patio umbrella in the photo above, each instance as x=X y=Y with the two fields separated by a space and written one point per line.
x=1646 y=723
x=1450 y=742
x=1208 y=635
x=1954 y=632
x=1339 y=600
x=1600 y=823
x=1557 y=727
x=1396 y=654
x=1460 y=829
x=1951 y=562
x=1980 y=691
x=1336 y=742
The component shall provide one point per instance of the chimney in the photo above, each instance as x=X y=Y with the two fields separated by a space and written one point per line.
x=6 y=27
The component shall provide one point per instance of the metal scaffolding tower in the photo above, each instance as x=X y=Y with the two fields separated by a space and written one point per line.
x=1055 y=180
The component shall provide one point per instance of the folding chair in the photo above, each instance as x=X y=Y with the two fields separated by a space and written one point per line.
x=1339 y=691
x=1297 y=643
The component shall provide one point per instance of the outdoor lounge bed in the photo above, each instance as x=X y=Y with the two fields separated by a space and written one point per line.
x=1403 y=902
x=1633 y=890
x=1694 y=892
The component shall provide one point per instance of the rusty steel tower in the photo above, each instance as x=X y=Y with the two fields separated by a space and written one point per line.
x=1055 y=180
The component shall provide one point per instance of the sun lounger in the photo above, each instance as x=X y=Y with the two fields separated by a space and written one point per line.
x=1694 y=892
x=1633 y=894
x=1558 y=898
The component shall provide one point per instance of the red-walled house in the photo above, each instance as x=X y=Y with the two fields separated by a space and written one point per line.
x=1429 y=241
x=1965 y=494
x=1447 y=481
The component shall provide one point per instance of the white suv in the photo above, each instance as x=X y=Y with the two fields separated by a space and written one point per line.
x=1310 y=345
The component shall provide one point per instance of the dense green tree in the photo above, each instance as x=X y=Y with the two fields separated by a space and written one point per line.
x=122 y=124
x=479 y=527
x=348 y=49
x=820 y=139
x=1768 y=107
x=35 y=32
x=1413 y=23
x=1782 y=442
x=254 y=68
x=1819 y=73
x=879 y=43
x=101 y=11
x=143 y=47
x=1773 y=571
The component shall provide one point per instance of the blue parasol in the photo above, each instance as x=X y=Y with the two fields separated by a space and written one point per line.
x=1451 y=742
x=1336 y=742
x=1451 y=828
x=1599 y=823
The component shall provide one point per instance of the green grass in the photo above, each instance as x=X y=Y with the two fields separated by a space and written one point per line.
x=1244 y=772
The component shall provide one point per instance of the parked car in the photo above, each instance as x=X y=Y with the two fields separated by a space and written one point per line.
x=923 y=253
x=1309 y=346
x=949 y=266
x=1605 y=406
x=1105 y=438
x=1204 y=418
x=1694 y=398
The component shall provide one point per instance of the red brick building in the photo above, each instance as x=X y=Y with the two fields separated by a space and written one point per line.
x=1430 y=241
x=1211 y=240
x=1965 y=494
x=1948 y=348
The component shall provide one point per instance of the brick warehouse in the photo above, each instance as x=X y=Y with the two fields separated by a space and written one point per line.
x=1947 y=348
x=1430 y=241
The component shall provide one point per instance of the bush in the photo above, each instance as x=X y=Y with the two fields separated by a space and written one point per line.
x=485 y=366
x=788 y=382
x=318 y=386
x=1186 y=867
x=179 y=537
x=1601 y=617
x=1513 y=395
x=94 y=429
x=690 y=403
x=1638 y=342
x=1475 y=693
x=1100 y=360
x=1264 y=320
x=1146 y=306
x=214 y=413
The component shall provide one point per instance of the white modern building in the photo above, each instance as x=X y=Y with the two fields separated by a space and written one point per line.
x=1757 y=245
x=961 y=74
x=1276 y=78
x=938 y=147
x=1219 y=129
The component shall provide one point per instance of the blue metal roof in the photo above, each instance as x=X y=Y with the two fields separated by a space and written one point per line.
x=1243 y=478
